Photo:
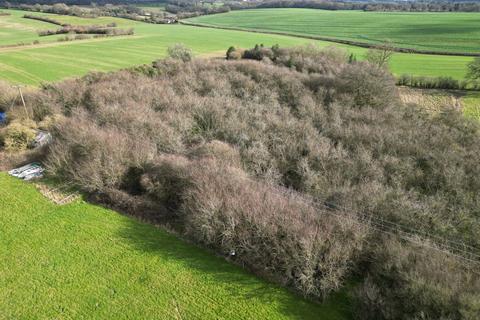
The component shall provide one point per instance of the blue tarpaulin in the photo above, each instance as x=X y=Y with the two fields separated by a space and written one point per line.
x=3 y=117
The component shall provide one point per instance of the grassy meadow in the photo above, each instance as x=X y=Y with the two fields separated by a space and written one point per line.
x=51 y=60
x=451 y=32
x=152 y=6
x=14 y=29
x=81 y=261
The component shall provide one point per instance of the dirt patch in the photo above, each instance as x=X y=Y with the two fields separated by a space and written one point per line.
x=59 y=195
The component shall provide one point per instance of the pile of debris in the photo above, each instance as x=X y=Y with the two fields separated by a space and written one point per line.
x=42 y=138
x=28 y=172
x=3 y=118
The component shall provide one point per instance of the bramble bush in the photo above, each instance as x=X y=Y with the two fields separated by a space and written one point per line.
x=18 y=135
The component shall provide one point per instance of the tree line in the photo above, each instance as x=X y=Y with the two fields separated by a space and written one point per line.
x=190 y=8
x=121 y=11
x=195 y=7
x=409 y=6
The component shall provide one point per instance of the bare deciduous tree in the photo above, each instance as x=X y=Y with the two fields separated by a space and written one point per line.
x=380 y=55
x=180 y=52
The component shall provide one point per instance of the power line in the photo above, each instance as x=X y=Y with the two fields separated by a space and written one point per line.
x=457 y=249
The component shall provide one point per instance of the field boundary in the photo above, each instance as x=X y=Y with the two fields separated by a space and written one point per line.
x=63 y=43
x=334 y=40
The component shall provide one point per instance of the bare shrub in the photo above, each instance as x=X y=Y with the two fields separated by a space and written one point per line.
x=94 y=158
x=166 y=179
x=372 y=87
x=311 y=59
x=220 y=151
x=414 y=282
x=234 y=53
x=278 y=234
x=380 y=55
x=180 y=51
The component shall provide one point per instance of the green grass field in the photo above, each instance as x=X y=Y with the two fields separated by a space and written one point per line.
x=15 y=29
x=152 y=6
x=87 y=21
x=452 y=32
x=81 y=261
x=52 y=60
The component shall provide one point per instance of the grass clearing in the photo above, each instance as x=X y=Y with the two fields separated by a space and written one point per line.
x=432 y=100
x=444 y=31
x=436 y=100
x=81 y=261
x=33 y=65
x=471 y=105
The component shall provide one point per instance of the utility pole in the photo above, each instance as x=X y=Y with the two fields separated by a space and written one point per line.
x=19 y=87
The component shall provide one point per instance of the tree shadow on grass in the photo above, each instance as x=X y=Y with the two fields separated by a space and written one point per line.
x=239 y=283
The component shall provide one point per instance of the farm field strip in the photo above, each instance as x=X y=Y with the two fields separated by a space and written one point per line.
x=50 y=62
x=60 y=43
x=84 y=261
x=441 y=32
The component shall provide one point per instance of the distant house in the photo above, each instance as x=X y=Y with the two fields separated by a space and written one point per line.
x=170 y=20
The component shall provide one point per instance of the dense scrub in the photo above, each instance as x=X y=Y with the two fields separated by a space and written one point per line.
x=210 y=146
x=417 y=284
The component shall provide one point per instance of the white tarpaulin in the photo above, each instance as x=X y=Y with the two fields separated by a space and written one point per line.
x=28 y=172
